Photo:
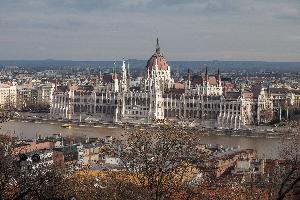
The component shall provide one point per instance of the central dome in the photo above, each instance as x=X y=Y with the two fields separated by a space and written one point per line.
x=157 y=59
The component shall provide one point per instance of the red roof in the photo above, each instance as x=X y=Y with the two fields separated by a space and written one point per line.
x=212 y=80
x=109 y=78
x=178 y=86
x=200 y=79
x=161 y=62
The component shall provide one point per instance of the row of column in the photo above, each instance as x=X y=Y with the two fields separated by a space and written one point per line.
x=227 y=120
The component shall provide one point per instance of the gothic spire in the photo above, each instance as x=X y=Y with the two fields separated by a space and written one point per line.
x=206 y=74
x=114 y=70
x=128 y=72
x=189 y=78
x=219 y=77
x=157 y=47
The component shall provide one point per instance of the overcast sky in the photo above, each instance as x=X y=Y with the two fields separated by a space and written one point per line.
x=187 y=29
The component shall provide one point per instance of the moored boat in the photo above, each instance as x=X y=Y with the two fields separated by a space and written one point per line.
x=66 y=125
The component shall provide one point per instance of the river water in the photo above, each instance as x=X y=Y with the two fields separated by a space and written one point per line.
x=266 y=147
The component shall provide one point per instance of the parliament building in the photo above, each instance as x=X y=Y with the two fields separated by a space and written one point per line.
x=157 y=97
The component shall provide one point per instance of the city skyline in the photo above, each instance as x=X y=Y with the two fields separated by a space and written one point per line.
x=190 y=30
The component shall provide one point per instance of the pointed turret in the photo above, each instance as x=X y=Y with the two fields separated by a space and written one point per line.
x=128 y=72
x=124 y=73
x=219 y=77
x=189 y=78
x=206 y=74
x=124 y=76
x=114 y=75
x=269 y=90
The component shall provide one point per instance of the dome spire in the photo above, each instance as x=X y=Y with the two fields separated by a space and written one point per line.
x=157 y=47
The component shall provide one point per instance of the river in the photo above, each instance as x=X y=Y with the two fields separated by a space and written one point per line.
x=266 y=147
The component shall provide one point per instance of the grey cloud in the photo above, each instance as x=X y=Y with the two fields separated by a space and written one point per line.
x=189 y=29
x=289 y=13
x=81 y=5
x=160 y=7
x=148 y=6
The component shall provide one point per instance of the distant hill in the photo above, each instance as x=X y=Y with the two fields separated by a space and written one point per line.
x=138 y=65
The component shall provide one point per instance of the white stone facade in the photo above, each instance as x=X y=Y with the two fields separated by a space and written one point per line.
x=158 y=97
x=8 y=96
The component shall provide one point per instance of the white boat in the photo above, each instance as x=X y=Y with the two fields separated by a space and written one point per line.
x=66 y=125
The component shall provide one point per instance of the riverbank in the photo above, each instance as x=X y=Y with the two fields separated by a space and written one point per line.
x=94 y=129
x=252 y=132
x=266 y=147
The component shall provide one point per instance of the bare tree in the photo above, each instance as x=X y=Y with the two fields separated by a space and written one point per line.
x=162 y=159
x=290 y=172
x=281 y=176
x=17 y=183
x=106 y=185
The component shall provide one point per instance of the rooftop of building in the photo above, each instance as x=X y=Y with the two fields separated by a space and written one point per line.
x=157 y=59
